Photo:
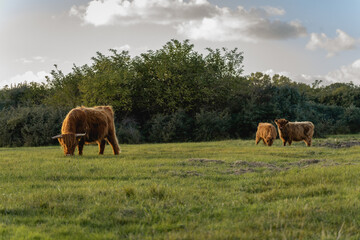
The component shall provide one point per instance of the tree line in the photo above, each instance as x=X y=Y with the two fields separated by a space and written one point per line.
x=174 y=94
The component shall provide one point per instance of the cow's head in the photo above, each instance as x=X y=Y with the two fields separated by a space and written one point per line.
x=269 y=141
x=281 y=123
x=69 y=142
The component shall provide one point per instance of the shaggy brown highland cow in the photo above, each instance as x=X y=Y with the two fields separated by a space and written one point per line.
x=86 y=125
x=295 y=131
x=266 y=132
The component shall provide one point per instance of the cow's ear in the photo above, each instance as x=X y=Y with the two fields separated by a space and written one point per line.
x=275 y=120
x=286 y=121
x=57 y=136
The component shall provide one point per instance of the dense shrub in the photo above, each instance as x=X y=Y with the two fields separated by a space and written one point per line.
x=11 y=123
x=174 y=94
x=351 y=119
x=30 y=126
x=128 y=131
x=212 y=125
x=327 y=119
x=175 y=127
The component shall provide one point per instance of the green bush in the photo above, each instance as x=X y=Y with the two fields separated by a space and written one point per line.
x=30 y=126
x=42 y=123
x=128 y=131
x=162 y=92
x=351 y=119
x=212 y=125
x=11 y=123
x=327 y=119
x=170 y=128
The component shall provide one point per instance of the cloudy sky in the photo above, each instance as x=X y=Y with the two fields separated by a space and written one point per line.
x=303 y=39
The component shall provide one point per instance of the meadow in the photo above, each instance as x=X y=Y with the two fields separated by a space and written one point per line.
x=208 y=190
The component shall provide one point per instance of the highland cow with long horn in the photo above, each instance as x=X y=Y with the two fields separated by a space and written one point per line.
x=86 y=125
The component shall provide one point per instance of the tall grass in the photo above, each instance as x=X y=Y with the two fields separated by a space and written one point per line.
x=214 y=190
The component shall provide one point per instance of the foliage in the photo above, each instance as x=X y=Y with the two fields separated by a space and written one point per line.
x=30 y=126
x=176 y=94
x=351 y=118
x=175 y=127
x=212 y=126
x=168 y=79
x=106 y=82
x=24 y=94
x=128 y=131
x=64 y=89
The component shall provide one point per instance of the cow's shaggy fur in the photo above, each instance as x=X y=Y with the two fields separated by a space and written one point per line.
x=266 y=132
x=295 y=131
x=86 y=125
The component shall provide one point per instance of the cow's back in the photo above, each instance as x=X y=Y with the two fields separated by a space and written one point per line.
x=74 y=122
x=107 y=110
x=298 y=131
x=97 y=122
x=266 y=130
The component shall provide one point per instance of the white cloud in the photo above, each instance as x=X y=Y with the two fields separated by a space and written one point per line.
x=28 y=77
x=273 y=11
x=310 y=79
x=332 y=45
x=240 y=25
x=344 y=74
x=349 y=73
x=110 y=12
x=125 y=47
x=31 y=60
x=24 y=60
x=39 y=59
x=271 y=73
x=194 y=19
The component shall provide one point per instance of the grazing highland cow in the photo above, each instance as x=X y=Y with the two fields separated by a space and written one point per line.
x=295 y=131
x=85 y=125
x=266 y=132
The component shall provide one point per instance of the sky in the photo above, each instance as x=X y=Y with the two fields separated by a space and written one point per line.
x=305 y=40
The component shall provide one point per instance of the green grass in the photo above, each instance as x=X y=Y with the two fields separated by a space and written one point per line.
x=164 y=191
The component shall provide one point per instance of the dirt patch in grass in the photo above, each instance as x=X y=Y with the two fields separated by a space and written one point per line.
x=306 y=162
x=339 y=144
x=252 y=164
x=185 y=173
x=242 y=167
x=204 y=160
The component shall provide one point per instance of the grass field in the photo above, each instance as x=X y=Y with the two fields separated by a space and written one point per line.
x=214 y=190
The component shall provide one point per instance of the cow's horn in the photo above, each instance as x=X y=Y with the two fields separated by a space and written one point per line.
x=80 y=134
x=57 y=136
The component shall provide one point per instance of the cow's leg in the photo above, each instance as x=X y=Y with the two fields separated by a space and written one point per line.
x=258 y=139
x=81 y=146
x=101 y=146
x=289 y=141
x=284 y=142
x=114 y=144
x=308 y=142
